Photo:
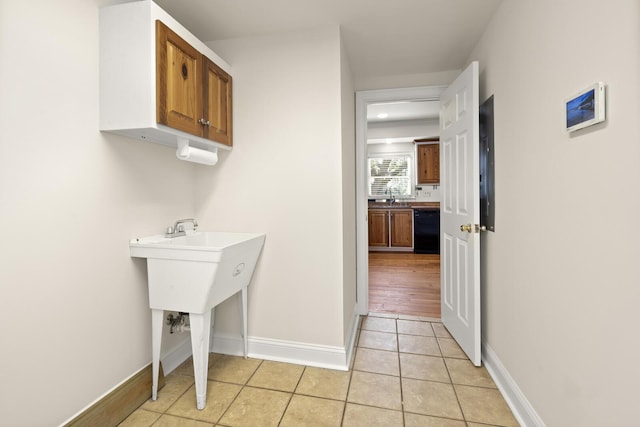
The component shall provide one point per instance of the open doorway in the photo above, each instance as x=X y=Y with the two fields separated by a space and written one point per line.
x=394 y=275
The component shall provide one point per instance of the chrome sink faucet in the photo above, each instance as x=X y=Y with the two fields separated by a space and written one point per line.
x=393 y=199
x=178 y=227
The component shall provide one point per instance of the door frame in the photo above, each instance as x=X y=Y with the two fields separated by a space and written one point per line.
x=364 y=99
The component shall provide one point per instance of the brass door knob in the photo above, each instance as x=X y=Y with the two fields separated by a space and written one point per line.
x=466 y=227
x=473 y=228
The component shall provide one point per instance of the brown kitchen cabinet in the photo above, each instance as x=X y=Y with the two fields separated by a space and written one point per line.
x=401 y=228
x=390 y=229
x=378 y=228
x=428 y=163
x=193 y=93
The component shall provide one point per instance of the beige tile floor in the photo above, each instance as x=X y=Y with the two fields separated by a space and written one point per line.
x=405 y=372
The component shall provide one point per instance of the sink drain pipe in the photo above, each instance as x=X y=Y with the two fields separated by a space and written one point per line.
x=179 y=323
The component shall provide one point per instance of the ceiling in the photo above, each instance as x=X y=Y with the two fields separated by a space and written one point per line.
x=405 y=110
x=381 y=38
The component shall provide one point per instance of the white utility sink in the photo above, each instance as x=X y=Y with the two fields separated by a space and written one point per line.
x=193 y=273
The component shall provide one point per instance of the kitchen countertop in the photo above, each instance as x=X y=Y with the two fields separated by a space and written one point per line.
x=404 y=205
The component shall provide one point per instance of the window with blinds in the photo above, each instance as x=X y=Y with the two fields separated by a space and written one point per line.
x=390 y=175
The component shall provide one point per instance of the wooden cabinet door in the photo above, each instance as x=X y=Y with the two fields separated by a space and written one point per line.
x=217 y=103
x=402 y=228
x=429 y=164
x=378 y=227
x=178 y=82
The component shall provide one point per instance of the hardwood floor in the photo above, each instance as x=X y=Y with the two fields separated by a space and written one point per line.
x=404 y=283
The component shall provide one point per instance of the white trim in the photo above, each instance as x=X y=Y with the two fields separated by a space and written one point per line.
x=227 y=344
x=280 y=351
x=353 y=336
x=319 y=356
x=176 y=356
x=299 y=353
x=363 y=99
x=283 y=351
x=523 y=410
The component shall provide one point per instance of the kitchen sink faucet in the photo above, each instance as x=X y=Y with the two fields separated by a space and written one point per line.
x=393 y=199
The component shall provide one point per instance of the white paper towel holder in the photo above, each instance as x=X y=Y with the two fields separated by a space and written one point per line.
x=196 y=155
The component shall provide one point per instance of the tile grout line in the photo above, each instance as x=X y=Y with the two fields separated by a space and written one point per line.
x=346 y=397
x=242 y=387
x=350 y=369
x=165 y=412
x=404 y=419
x=290 y=397
x=455 y=392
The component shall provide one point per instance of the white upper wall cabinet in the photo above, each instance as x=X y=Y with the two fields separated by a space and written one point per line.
x=137 y=93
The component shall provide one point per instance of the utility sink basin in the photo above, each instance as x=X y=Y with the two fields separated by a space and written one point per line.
x=192 y=274
x=195 y=272
x=194 y=246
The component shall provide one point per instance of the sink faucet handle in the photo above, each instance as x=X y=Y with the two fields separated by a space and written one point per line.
x=181 y=222
x=178 y=228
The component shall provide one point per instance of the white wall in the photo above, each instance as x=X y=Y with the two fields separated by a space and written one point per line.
x=403 y=129
x=396 y=147
x=348 y=121
x=561 y=272
x=406 y=80
x=284 y=178
x=74 y=304
x=71 y=198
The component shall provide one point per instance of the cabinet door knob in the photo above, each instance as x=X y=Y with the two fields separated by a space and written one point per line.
x=204 y=122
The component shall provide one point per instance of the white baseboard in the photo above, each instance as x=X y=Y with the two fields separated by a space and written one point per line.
x=353 y=336
x=517 y=401
x=176 y=356
x=319 y=356
x=283 y=351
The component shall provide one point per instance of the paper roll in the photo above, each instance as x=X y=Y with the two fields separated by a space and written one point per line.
x=196 y=155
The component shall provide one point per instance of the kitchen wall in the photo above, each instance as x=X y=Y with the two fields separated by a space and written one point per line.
x=74 y=304
x=424 y=193
x=561 y=272
x=291 y=175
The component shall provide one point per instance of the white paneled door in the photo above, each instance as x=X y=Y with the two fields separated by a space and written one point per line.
x=460 y=211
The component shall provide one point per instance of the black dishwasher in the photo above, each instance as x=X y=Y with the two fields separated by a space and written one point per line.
x=426 y=231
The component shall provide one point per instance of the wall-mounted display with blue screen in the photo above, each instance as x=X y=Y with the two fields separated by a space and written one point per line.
x=586 y=108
